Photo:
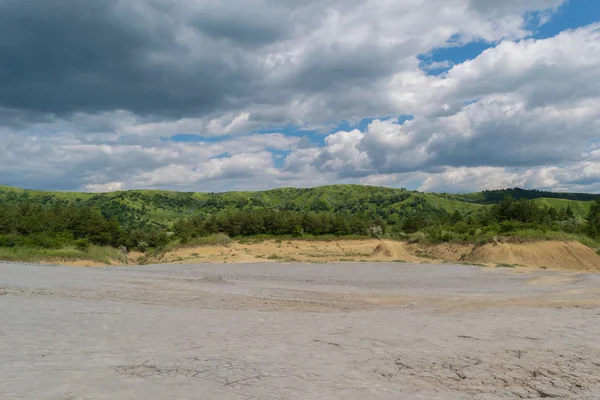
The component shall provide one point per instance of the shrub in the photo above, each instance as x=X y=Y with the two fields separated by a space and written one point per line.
x=142 y=246
x=82 y=244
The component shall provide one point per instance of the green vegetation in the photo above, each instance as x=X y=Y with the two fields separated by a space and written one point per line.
x=237 y=223
x=37 y=225
x=101 y=254
x=506 y=266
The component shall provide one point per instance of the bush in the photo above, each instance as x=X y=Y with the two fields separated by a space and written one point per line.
x=11 y=240
x=82 y=244
x=439 y=235
x=418 y=237
x=142 y=246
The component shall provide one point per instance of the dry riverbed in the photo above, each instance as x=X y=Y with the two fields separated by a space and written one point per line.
x=298 y=331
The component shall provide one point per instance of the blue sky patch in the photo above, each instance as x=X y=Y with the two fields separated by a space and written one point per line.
x=452 y=55
x=572 y=14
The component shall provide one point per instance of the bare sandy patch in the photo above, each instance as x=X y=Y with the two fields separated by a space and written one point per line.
x=521 y=257
x=553 y=255
x=549 y=255
x=294 y=251
x=135 y=256
x=453 y=252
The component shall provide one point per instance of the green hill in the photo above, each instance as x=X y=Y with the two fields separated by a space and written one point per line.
x=163 y=208
x=496 y=196
x=37 y=225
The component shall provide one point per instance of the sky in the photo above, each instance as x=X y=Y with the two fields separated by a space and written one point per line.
x=207 y=95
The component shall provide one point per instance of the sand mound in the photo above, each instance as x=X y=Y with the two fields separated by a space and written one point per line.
x=384 y=249
x=554 y=254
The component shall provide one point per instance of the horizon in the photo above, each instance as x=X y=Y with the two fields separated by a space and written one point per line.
x=452 y=96
x=291 y=187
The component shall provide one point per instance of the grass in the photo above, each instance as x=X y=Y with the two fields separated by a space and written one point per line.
x=581 y=208
x=213 y=240
x=532 y=235
x=205 y=241
x=517 y=236
x=99 y=254
x=506 y=266
x=277 y=257
x=306 y=238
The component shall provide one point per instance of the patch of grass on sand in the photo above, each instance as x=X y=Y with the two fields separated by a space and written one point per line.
x=205 y=241
x=534 y=235
x=282 y=258
x=506 y=266
x=101 y=254
x=289 y=239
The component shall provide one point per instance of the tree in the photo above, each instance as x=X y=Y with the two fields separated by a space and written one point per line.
x=593 y=220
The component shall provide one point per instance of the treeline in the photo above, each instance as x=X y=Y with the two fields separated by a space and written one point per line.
x=263 y=222
x=510 y=216
x=58 y=225
x=497 y=196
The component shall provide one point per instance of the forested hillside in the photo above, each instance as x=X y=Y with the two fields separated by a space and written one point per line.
x=140 y=207
x=150 y=219
x=496 y=196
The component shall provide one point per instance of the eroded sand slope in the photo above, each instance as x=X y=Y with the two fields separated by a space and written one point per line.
x=549 y=255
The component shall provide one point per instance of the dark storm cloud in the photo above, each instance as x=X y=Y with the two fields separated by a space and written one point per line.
x=180 y=59
x=244 y=27
x=177 y=58
x=95 y=55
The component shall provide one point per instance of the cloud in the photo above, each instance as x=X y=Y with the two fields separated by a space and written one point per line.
x=510 y=124
x=185 y=59
x=460 y=180
x=97 y=95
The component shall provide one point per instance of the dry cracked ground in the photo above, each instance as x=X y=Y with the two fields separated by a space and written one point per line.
x=293 y=331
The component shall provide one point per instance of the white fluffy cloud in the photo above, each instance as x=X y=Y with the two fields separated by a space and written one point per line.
x=507 y=118
x=525 y=112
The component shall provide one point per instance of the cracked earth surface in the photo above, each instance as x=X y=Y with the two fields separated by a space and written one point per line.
x=291 y=331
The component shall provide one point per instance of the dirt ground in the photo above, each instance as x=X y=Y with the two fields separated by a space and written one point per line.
x=298 y=331
x=295 y=251
x=552 y=255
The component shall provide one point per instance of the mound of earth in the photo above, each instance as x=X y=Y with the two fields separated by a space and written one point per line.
x=394 y=251
x=384 y=249
x=552 y=254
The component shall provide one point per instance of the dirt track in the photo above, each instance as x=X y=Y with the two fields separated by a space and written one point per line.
x=291 y=331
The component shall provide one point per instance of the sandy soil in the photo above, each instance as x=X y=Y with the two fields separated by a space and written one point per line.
x=297 y=331
x=297 y=250
x=548 y=255
x=551 y=255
